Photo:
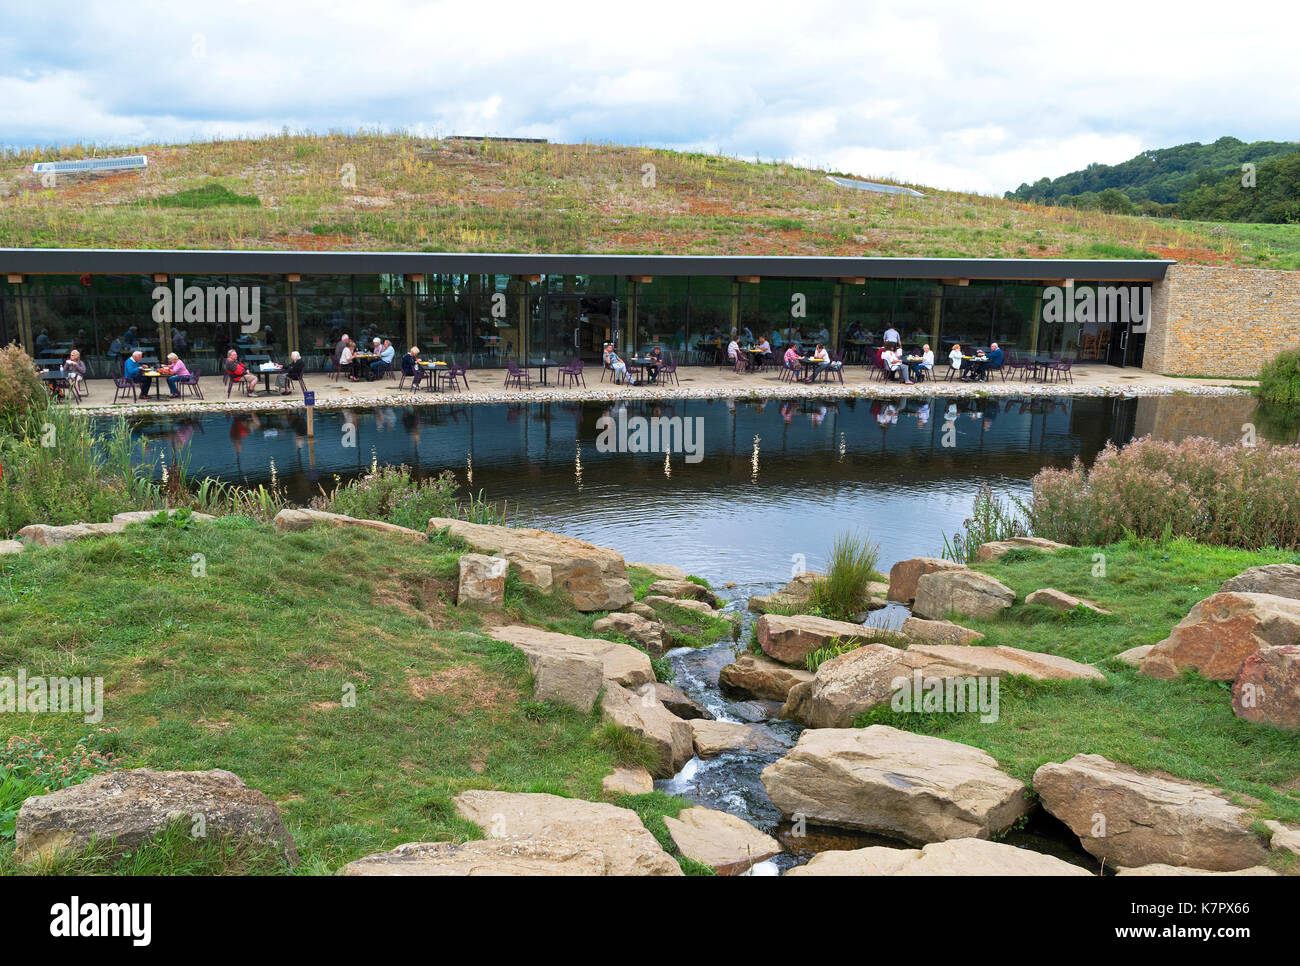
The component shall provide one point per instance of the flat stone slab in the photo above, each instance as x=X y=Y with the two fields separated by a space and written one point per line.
x=962 y=591
x=47 y=535
x=714 y=738
x=1059 y=600
x=120 y=810
x=699 y=606
x=628 y=781
x=891 y=782
x=292 y=520
x=728 y=844
x=938 y=632
x=141 y=516
x=996 y=548
x=11 y=546
x=680 y=703
x=683 y=590
x=639 y=711
x=1280 y=580
x=1128 y=818
x=791 y=639
x=1134 y=655
x=622 y=663
x=595 y=578
x=650 y=634
x=1220 y=632
x=958 y=857
x=484 y=857
x=1286 y=838
x=662 y=571
x=617 y=833
x=1160 y=869
x=758 y=676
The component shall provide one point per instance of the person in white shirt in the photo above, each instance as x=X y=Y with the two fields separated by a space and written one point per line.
x=954 y=358
x=345 y=361
x=891 y=335
x=894 y=363
x=926 y=362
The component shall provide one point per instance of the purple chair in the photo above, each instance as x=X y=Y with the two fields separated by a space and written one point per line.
x=516 y=376
x=122 y=386
x=668 y=371
x=192 y=381
x=573 y=373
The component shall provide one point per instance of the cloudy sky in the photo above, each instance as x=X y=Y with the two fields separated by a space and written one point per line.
x=975 y=96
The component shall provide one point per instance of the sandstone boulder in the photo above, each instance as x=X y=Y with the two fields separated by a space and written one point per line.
x=642 y=609
x=648 y=633
x=962 y=591
x=699 y=606
x=714 y=738
x=639 y=711
x=956 y=857
x=891 y=782
x=143 y=516
x=594 y=577
x=290 y=520
x=566 y=678
x=11 y=546
x=939 y=632
x=904 y=575
x=684 y=590
x=865 y=678
x=791 y=639
x=1280 y=580
x=681 y=704
x=628 y=781
x=996 y=548
x=727 y=843
x=1286 y=838
x=1157 y=868
x=1221 y=631
x=1059 y=600
x=617 y=833
x=45 y=535
x=484 y=857
x=482 y=584
x=120 y=810
x=794 y=594
x=1134 y=656
x=622 y=663
x=1267 y=691
x=662 y=571
x=758 y=676
x=1128 y=818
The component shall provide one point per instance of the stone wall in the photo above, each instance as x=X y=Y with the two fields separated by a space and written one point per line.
x=1221 y=320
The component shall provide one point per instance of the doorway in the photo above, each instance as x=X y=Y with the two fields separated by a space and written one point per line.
x=574 y=325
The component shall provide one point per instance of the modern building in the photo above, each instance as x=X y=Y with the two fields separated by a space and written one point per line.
x=485 y=308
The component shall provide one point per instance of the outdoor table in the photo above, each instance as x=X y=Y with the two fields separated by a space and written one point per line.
x=641 y=365
x=755 y=358
x=266 y=374
x=56 y=381
x=157 y=386
x=431 y=370
x=362 y=358
x=541 y=370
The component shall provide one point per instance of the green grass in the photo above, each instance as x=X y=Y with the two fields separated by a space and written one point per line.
x=250 y=669
x=206 y=196
x=1185 y=728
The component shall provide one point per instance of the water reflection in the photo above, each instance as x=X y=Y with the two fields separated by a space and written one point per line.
x=777 y=479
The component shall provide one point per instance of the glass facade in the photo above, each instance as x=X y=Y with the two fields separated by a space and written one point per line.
x=486 y=319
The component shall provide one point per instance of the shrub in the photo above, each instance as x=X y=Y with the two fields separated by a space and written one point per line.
x=1279 y=379
x=1233 y=496
x=851 y=567
x=390 y=493
x=990 y=520
x=30 y=767
x=20 y=388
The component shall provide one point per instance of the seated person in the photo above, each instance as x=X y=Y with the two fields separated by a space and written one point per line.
x=954 y=358
x=345 y=360
x=735 y=355
x=75 y=369
x=411 y=366
x=924 y=364
x=617 y=365
x=133 y=371
x=994 y=361
x=292 y=371
x=764 y=347
x=175 y=371
x=894 y=363
x=655 y=359
x=791 y=358
x=386 y=354
x=977 y=365
x=823 y=361
x=236 y=371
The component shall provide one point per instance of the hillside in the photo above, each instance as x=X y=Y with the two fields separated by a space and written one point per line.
x=394 y=192
x=1165 y=181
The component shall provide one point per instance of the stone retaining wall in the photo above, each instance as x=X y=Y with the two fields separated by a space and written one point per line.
x=1221 y=320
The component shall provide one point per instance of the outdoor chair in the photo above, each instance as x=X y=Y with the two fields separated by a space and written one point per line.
x=1062 y=369
x=517 y=376
x=230 y=384
x=668 y=371
x=122 y=386
x=192 y=383
x=572 y=373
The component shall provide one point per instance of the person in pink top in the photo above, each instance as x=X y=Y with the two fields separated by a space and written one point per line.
x=175 y=371
x=791 y=358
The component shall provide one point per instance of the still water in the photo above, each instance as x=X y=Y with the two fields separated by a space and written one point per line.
x=774 y=484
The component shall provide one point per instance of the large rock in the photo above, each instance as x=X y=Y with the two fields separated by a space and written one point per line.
x=47 y=535
x=1221 y=631
x=649 y=634
x=1267 y=690
x=622 y=663
x=698 y=606
x=1157 y=868
x=996 y=548
x=594 y=577
x=482 y=584
x=966 y=592
x=143 y=516
x=1128 y=818
x=684 y=590
x=728 y=844
x=484 y=857
x=121 y=810
x=661 y=571
x=1060 y=600
x=938 y=632
x=1280 y=580
x=617 y=833
x=290 y=520
x=566 y=678
x=758 y=676
x=714 y=738
x=680 y=703
x=868 y=677
x=640 y=711
x=903 y=576
x=791 y=639
x=628 y=781
x=794 y=594
x=891 y=782
x=11 y=546
x=1134 y=656
x=1286 y=838
x=958 y=857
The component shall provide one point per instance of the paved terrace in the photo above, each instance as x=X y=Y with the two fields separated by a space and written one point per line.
x=702 y=382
